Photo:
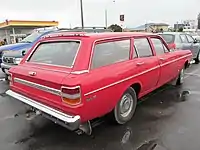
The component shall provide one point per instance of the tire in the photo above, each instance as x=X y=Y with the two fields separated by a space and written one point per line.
x=6 y=77
x=180 y=77
x=197 y=60
x=125 y=108
x=3 y=70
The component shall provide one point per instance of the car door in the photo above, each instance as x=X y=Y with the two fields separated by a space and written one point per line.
x=185 y=44
x=194 y=46
x=169 y=67
x=146 y=64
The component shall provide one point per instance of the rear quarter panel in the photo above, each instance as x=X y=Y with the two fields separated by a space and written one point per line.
x=183 y=57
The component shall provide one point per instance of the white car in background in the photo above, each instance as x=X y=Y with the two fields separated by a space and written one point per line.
x=194 y=33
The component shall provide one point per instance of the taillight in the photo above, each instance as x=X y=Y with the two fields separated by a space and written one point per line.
x=71 y=95
x=10 y=79
x=174 y=46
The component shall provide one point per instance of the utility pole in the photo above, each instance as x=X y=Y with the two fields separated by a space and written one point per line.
x=106 y=15
x=82 y=19
x=106 y=18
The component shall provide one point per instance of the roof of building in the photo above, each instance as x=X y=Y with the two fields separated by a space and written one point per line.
x=145 y=26
x=27 y=24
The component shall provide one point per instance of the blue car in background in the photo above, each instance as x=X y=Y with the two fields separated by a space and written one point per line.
x=12 y=54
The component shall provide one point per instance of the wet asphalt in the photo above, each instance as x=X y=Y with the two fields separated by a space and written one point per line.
x=167 y=119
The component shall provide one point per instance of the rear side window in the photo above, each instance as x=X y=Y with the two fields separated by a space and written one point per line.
x=169 y=38
x=159 y=46
x=190 y=39
x=143 y=47
x=183 y=38
x=110 y=52
x=56 y=53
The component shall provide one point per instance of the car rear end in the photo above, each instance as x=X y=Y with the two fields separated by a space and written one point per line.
x=40 y=81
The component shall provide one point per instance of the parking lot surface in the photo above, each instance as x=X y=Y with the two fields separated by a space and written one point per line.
x=167 y=119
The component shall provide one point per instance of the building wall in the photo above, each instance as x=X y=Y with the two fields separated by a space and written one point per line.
x=18 y=33
x=158 y=28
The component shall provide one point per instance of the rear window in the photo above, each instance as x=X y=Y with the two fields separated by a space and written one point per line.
x=56 y=53
x=169 y=38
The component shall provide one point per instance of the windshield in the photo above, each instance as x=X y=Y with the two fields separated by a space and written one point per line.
x=56 y=53
x=169 y=38
x=31 y=38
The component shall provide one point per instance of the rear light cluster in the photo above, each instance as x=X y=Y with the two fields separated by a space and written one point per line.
x=10 y=79
x=172 y=46
x=71 y=96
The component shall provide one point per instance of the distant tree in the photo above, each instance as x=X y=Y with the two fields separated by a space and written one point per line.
x=115 y=28
x=180 y=29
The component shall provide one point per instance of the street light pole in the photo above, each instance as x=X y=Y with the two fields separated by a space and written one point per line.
x=82 y=19
x=106 y=18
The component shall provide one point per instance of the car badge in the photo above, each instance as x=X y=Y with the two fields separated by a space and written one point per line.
x=32 y=73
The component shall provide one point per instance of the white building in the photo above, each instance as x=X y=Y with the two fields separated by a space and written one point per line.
x=190 y=24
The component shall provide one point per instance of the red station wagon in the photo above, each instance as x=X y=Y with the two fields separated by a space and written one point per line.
x=74 y=78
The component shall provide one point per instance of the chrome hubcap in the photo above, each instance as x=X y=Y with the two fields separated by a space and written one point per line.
x=126 y=105
x=182 y=75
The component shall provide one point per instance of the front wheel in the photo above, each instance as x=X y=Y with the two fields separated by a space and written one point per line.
x=180 y=77
x=125 y=108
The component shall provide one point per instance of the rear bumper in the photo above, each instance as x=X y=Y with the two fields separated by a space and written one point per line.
x=68 y=121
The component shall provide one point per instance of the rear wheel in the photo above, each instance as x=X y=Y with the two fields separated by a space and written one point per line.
x=3 y=70
x=197 y=60
x=180 y=77
x=125 y=108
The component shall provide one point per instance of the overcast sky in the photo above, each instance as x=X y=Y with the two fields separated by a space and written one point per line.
x=67 y=12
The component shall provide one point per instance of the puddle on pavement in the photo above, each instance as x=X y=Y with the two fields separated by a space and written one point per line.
x=151 y=145
x=3 y=94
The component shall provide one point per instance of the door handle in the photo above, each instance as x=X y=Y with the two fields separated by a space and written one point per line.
x=140 y=63
x=162 y=58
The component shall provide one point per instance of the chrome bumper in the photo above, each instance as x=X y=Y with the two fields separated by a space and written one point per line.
x=6 y=66
x=70 y=122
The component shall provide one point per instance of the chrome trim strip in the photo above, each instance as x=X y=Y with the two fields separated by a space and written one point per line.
x=53 y=112
x=175 y=60
x=80 y=72
x=38 y=86
x=102 y=88
x=107 y=86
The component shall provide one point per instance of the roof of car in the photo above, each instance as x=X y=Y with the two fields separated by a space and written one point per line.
x=101 y=35
x=173 y=33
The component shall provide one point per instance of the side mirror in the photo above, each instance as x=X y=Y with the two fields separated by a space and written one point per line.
x=23 y=53
x=195 y=41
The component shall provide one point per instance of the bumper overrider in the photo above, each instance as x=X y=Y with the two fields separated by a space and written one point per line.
x=70 y=122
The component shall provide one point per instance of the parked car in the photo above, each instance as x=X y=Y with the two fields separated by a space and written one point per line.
x=12 y=54
x=17 y=51
x=196 y=36
x=74 y=78
x=182 y=41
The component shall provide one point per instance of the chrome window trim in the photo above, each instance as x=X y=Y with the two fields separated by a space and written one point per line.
x=120 y=38
x=49 y=41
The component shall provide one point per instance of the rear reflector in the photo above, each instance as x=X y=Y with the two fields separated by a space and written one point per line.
x=71 y=95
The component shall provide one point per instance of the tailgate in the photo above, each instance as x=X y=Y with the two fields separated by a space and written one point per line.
x=40 y=83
